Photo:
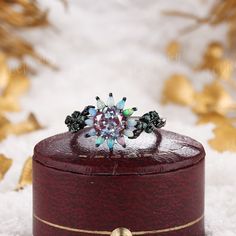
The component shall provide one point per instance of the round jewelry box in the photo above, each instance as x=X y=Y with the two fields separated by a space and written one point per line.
x=154 y=186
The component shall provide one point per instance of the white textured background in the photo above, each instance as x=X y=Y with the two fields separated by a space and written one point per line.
x=118 y=46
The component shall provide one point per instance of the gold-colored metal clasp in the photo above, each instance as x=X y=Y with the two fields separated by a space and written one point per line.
x=121 y=232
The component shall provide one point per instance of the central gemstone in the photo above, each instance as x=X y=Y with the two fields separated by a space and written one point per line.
x=109 y=123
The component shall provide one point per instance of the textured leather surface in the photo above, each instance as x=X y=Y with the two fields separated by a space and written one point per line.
x=137 y=202
x=157 y=182
x=159 y=152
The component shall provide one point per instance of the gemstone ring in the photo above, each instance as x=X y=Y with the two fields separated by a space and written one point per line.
x=111 y=122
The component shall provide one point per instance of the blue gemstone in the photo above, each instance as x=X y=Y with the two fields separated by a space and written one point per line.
x=89 y=122
x=110 y=143
x=92 y=111
x=92 y=132
x=120 y=105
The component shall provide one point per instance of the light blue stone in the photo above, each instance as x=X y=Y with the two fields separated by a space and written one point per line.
x=120 y=105
x=89 y=122
x=107 y=115
x=92 y=132
x=132 y=122
x=92 y=111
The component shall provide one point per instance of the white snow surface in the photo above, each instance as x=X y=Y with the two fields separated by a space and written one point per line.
x=116 y=46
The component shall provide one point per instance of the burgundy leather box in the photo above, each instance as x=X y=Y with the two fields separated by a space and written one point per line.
x=155 y=186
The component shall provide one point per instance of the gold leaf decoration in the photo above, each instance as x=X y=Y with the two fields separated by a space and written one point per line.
x=13 y=85
x=5 y=164
x=232 y=34
x=26 y=175
x=225 y=138
x=214 y=103
x=29 y=125
x=213 y=117
x=4 y=72
x=8 y=103
x=213 y=98
x=222 y=12
x=178 y=89
x=214 y=61
x=15 y=15
x=17 y=86
x=173 y=50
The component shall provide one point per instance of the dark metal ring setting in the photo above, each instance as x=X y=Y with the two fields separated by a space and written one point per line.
x=110 y=122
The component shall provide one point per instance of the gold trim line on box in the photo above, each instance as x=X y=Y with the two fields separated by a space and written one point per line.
x=157 y=231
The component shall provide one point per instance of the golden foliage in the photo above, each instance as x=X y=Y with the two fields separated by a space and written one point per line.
x=26 y=126
x=178 y=89
x=224 y=132
x=213 y=117
x=26 y=174
x=214 y=61
x=213 y=103
x=222 y=12
x=12 y=85
x=173 y=50
x=213 y=98
x=15 y=15
x=225 y=138
x=5 y=164
x=4 y=72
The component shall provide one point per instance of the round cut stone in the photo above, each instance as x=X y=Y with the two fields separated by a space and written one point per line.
x=109 y=123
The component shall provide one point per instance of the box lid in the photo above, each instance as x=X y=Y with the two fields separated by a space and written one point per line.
x=159 y=152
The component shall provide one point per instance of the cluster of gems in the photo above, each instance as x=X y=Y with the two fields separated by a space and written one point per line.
x=110 y=122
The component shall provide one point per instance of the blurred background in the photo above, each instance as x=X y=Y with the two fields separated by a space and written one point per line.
x=176 y=57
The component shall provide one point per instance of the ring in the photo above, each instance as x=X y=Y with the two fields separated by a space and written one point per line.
x=111 y=123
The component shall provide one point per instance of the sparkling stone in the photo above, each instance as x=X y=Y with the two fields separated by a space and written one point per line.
x=132 y=122
x=100 y=103
x=100 y=140
x=89 y=122
x=110 y=143
x=92 y=111
x=109 y=123
x=121 y=104
x=110 y=101
x=129 y=112
x=92 y=132
x=121 y=141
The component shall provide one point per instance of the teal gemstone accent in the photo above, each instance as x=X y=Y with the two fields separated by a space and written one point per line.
x=110 y=143
x=100 y=140
x=120 y=105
